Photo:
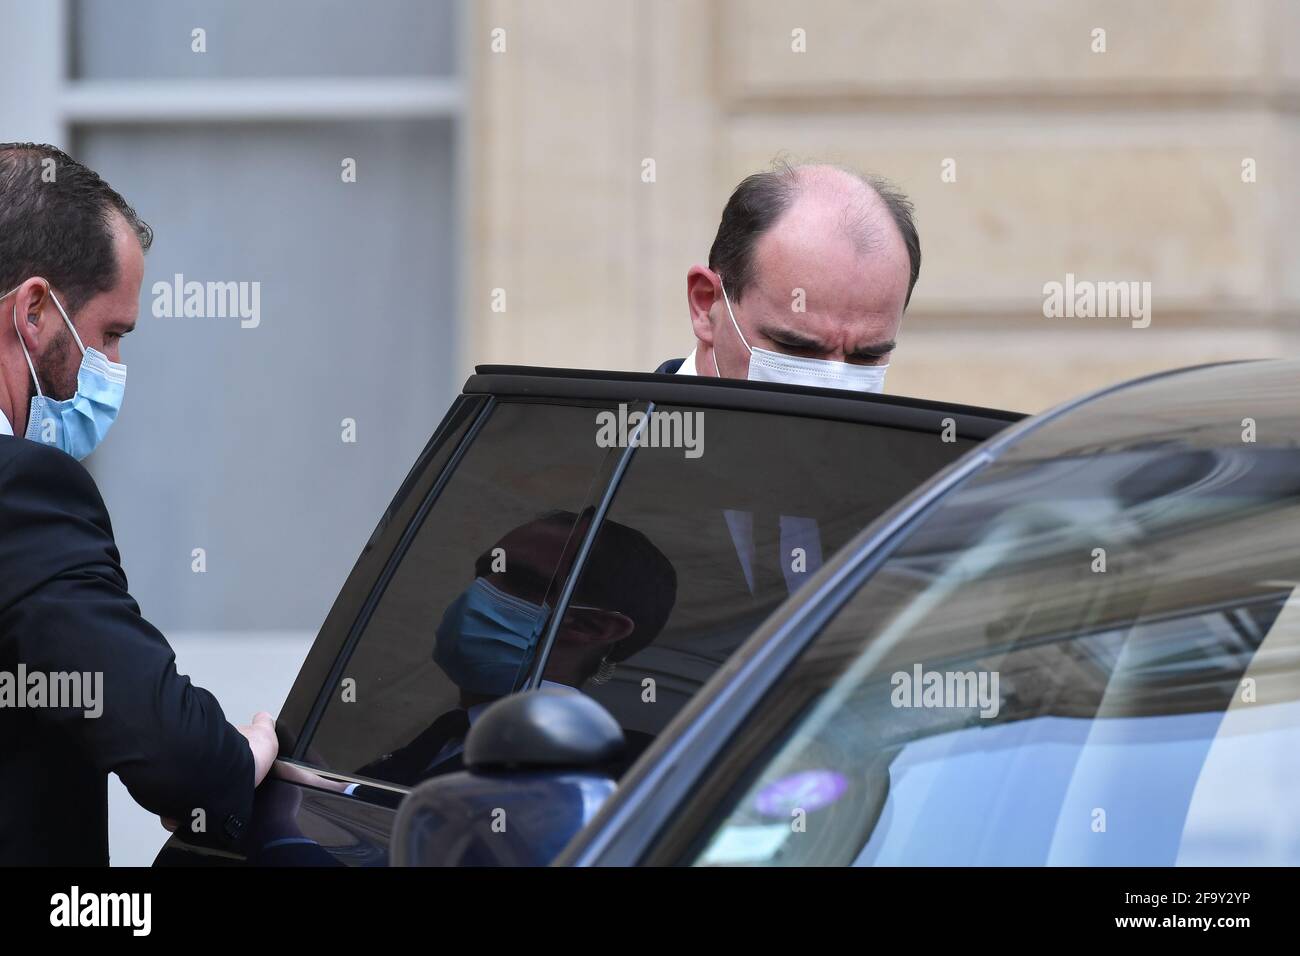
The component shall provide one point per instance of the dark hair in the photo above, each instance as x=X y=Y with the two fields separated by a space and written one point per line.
x=624 y=572
x=759 y=201
x=56 y=218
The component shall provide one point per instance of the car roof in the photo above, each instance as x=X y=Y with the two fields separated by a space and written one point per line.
x=1201 y=407
x=707 y=390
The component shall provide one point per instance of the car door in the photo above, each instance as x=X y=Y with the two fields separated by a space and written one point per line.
x=526 y=508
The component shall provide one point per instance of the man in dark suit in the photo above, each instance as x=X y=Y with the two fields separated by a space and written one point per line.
x=87 y=686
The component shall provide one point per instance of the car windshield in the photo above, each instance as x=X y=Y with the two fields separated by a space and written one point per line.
x=1084 y=660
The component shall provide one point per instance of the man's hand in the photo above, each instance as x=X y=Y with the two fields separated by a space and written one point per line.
x=261 y=738
x=262 y=741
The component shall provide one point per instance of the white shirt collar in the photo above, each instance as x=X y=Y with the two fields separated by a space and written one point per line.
x=5 y=427
x=688 y=365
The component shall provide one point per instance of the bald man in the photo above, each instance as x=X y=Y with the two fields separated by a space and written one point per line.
x=807 y=281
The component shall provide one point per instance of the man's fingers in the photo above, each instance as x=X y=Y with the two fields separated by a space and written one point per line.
x=260 y=734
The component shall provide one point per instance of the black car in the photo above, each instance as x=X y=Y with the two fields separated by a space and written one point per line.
x=621 y=534
x=1079 y=645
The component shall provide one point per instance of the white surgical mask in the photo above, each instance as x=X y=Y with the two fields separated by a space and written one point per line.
x=768 y=366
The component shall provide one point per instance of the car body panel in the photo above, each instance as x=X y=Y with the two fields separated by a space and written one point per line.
x=297 y=825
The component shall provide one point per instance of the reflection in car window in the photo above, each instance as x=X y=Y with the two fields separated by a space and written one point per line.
x=743 y=525
x=458 y=624
x=1076 y=662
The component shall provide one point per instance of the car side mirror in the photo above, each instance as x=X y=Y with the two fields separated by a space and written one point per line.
x=543 y=728
x=536 y=773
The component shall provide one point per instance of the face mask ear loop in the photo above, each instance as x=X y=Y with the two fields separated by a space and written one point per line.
x=733 y=317
x=23 y=344
x=71 y=328
x=734 y=323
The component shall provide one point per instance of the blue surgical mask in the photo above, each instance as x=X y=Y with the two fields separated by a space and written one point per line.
x=768 y=366
x=485 y=638
x=78 y=424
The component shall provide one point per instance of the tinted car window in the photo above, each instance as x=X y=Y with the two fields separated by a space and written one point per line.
x=700 y=544
x=458 y=622
x=1081 y=661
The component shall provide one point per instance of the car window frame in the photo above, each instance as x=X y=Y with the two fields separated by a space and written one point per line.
x=491 y=385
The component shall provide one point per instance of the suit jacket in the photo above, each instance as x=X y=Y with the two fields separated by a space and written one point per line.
x=414 y=762
x=64 y=607
x=670 y=367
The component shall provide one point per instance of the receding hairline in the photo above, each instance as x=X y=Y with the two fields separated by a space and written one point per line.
x=831 y=177
x=863 y=209
x=853 y=203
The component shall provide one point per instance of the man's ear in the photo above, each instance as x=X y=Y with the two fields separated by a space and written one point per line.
x=703 y=290
x=601 y=627
x=29 y=301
